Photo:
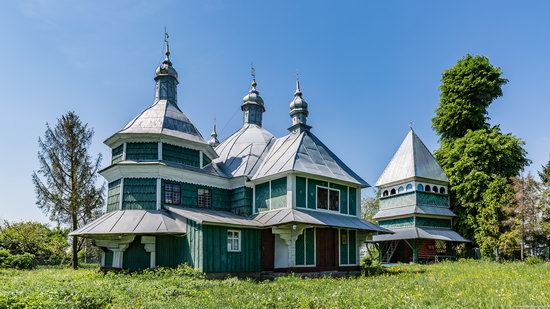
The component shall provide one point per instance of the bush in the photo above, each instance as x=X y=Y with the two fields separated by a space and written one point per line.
x=4 y=255
x=21 y=261
x=533 y=260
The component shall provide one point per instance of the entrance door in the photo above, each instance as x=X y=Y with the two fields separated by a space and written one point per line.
x=268 y=250
x=327 y=248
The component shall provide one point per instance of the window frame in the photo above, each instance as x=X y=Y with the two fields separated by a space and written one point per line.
x=328 y=198
x=233 y=235
x=177 y=196
x=201 y=198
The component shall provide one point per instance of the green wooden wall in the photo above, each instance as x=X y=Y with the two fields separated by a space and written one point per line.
x=301 y=199
x=309 y=199
x=432 y=199
x=193 y=245
x=241 y=201
x=305 y=248
x=216 y=258
x=180 y=155
x=142 y=151
x=397 y=223
x=278 y=193
x=113 y=196
x=139 y=193
x=205 y=160
x=262 y=196
x=353 y=201
x=348 y=251
x=343 y=197
x=170 y=250
x=312 y=191
x=135 y=257
x=414 y=198
x=221 y=198
x=116 y=154
x=108 y=257
x=433 y=222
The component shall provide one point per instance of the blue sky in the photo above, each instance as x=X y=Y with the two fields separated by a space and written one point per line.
x=367 y=69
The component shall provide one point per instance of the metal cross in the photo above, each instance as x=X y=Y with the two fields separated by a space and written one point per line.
x=252 y=70
x=411 y=125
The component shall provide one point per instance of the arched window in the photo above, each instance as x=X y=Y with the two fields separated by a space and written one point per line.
x=385 y=193
x=427 y=188
x=442 y=190
x=409 y=187
x=434 y=189
x=419 y=187
x=401 y=190
x=392 y=192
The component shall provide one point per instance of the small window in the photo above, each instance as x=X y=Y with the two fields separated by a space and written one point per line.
x=334 y=200
x=233 y=241
x=409 y=187
x=385 y=193
x=322 y=198
x=427 y=188
x=434 y=189
x=204 y=198
x=392 y=192
x=401 y=190
x=172 y=193
x=419 y=187
x=442 y=190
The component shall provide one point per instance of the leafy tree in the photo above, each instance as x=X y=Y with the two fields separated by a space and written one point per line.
x=466 y=92
x=370 y=206
x=544 y=174
x=67 y=188
x=544 y=206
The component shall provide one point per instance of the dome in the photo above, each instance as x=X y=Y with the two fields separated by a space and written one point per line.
x=166 y=68
x=253 y=96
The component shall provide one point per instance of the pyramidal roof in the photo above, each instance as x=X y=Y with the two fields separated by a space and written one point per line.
x=412 y=159
x=164 y=117
x=304 y=152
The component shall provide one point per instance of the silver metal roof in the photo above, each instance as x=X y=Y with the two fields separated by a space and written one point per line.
x=164 y=117
x=410 y=210
x=304 y=152
x=201 y=215
x=132 y=222
x=412 y=159
x=422 y=232
x=242 y=153
x=288 y=215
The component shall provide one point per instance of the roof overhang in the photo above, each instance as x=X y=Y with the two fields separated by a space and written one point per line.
x=422 y=233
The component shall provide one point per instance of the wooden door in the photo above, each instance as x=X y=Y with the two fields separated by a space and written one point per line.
x=327 y=248
x=268 y=250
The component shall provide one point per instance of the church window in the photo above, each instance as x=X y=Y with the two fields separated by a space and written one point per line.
x=385 y=193
x=401 y=189
x=233 y=241
x=427 y=188
x=334 y=200
x=172 y=193
x=442 y=190
x=434 y=189
x=392 y=192
x=409 y=187
x=204 y=198
x=328 y=198
x=419 y=187
x=322 y=198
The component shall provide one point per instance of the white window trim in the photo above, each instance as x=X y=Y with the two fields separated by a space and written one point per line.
x=238 y=232
x=328 y=198
x=314 y=249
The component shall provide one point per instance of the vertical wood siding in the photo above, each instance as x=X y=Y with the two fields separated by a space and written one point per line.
x=396 y=223
x=312 y=192
x=113 y=195
x=278 y=193
x=301 y=200
x=142 y=151
x=262 y=196
x=135 y=257
x=193 y=245
x=348 y=250
x=433 y=222
x=218 y=259
x=241 y=201
x=180 y=155
x=352 y=201
x=116 y=154
x=170 y=250
x=343 y=197
x=108 y=258
x=139 y=193
x=305 y=248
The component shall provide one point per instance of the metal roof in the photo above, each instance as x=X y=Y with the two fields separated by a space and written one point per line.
x=164 y=117
x=241 y=154
x=132 y=222
x=289 y=215
x=412 y=159
x=304 y=152
x=212 y=216
x=422 y=232
x=410 y=210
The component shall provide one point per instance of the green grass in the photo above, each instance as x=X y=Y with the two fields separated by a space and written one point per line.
x=458 y=284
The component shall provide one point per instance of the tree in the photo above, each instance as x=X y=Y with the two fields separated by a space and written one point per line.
x=544 y=174
x=466 y=92
x=65 y=184
x=544 y=207
x=370 y=206
x=478 y=159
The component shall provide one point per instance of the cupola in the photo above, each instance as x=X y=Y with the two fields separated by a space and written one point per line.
x=253 y=104
x=298 y=111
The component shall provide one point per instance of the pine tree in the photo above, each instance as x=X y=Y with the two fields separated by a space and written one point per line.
x=66 y=182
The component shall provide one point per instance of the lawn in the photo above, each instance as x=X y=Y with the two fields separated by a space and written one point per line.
x=452 y=284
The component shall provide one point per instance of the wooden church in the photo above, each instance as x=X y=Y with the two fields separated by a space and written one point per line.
x=253 y=202
x=414 y=204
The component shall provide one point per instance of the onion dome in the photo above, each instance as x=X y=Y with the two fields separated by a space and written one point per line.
x=298 y=110
x=166 y=68
x=253 y=104
x=214 y=142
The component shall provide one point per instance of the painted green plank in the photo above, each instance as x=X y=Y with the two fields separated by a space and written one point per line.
x=343 y=197
x=344 y=240
x=116 y=154
x=108 y=258
x=397 y=223
x=300 y=250
x=433 y=222
x=135 y=257
x=113 y=196
x=352 y=244
x=262 y=196
x=312 y=192
x=278 y=193
x=181 y=155
x=310 y=246
x=142 y=151
x=139 y=193
x=352 y=201
x=301 y=200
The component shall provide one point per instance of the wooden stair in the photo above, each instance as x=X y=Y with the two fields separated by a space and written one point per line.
x=388 y=253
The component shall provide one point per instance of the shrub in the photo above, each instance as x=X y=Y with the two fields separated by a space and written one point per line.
x=533 y=260
x=4 y=255
x=21 y=261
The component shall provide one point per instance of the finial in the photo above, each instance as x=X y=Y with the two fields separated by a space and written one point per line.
x=253 y=74
x=167 y=44
x=411 y=125
x=214 y=142
x=298 y=90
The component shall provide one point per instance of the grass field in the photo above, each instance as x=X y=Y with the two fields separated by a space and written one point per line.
x=453 y=284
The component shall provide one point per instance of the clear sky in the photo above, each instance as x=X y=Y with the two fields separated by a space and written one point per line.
x=367 y=69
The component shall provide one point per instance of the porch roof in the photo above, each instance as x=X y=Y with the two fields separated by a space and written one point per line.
x=203 y=215
x=132 y=222
x=422 y=232
x=289 y=215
